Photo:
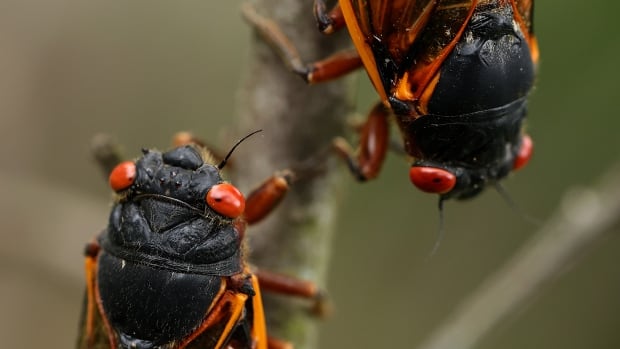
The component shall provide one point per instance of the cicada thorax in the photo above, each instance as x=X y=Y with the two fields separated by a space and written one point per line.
x=162 y=273
x=164 y=220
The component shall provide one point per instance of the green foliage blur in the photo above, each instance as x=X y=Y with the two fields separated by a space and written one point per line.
x=142 y=70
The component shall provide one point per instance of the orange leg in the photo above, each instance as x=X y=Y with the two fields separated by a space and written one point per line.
x=328 y=22
x=274 y=343
x=283 y=284
x=266 y=197
x=259 y=328
x=258 y=205
x=333 y=67
x=374 y=141
x=96 y=331
x=227 y=311
x=185 y=138
x=286 y=285
x=91 y=303
x=108 y=154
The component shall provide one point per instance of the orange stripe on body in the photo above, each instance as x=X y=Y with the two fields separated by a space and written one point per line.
x=259 y=328
x=359 y=40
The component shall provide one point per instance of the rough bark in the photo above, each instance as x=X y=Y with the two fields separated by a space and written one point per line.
x=298 y=122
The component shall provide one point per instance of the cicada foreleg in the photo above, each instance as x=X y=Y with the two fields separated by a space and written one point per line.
x=332 y=67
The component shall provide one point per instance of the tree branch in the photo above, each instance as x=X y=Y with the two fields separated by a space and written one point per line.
x=299 y=122
x=583 y=218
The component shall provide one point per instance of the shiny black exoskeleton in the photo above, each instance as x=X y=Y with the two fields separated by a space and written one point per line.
x=169 y=271
x=164 y=221
x=455 y=74
x=165 y=251
x=473 y=128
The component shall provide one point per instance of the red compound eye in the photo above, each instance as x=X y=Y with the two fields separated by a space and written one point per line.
x=525 y=153
x=122 y=176
x=432 y=180
x=226 y=200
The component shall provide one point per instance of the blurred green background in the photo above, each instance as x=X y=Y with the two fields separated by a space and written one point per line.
x=141 y=70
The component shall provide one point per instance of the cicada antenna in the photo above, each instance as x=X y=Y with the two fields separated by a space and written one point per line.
x=223 y=163
x=442 y=229
x=514 y=206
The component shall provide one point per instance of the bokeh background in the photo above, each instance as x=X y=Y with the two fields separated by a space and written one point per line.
x=141 y=70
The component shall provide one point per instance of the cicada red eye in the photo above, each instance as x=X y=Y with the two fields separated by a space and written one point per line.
x=226 y=199
x=432 y=179
x=525 y=153
x=122 y=176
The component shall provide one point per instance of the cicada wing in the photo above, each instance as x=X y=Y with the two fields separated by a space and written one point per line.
x=524 y=15
x=405 y=39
